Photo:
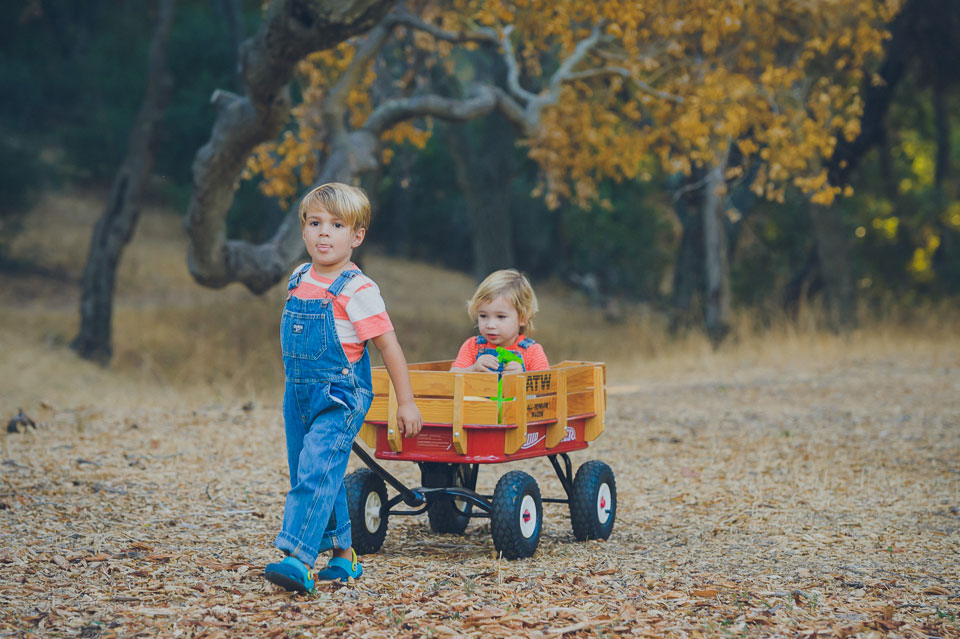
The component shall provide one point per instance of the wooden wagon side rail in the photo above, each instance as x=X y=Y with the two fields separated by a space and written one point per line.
x=569 y=390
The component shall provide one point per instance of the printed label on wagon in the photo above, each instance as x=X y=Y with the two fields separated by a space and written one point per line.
x=532 y=440
x=434 y=440
x=536 y=410
x=541 y=382
x=569 y=435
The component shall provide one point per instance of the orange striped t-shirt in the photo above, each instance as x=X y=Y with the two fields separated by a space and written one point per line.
x=534 y=359
x=358 y=312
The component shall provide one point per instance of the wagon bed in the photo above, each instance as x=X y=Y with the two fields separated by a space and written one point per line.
x=543 y=413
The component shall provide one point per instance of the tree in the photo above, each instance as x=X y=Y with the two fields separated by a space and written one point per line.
x=596 y=91
x=113 y=230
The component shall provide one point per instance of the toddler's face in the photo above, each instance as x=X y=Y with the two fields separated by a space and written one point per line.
x=498 y=321
x=330 y=241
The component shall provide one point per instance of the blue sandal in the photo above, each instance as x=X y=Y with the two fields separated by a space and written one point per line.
x=291 y=574
x=341 y=569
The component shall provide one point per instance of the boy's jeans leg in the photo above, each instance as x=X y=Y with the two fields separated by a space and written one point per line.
x=315 y=516
x=296 y=425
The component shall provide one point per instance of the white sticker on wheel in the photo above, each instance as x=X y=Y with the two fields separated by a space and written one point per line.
x=528 y=516
x=604 y=504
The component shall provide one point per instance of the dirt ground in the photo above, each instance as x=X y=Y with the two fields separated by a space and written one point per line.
x=791 y=484
x=816 y=502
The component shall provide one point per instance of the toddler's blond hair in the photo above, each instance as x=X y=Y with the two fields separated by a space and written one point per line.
x=349 y=203
x=515 y=287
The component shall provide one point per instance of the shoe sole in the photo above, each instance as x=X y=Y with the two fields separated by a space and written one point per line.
x=286 y=582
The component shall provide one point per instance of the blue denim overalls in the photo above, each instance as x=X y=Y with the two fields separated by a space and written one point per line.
x=324 y=403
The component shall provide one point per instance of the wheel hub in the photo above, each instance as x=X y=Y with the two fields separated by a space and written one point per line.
x=603 y=503
x=528 y=516
x=371 y=512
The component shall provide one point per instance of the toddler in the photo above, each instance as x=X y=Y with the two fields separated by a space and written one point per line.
x=332 y=310
x=503 y=307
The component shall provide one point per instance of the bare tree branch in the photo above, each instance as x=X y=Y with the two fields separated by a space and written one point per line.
x=393 y=111
x=480 y=36
x=513 y=68
x=335 y=108
x=583 y=47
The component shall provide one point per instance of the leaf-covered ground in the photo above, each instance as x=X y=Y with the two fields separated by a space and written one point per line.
x=821 y=500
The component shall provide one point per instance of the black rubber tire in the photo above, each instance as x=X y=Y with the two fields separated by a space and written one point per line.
x=444 y=514
x=366 y=491
x=592 y=487
x=510 y=517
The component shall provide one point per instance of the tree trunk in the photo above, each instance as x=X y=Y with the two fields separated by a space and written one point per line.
x=942 y=123
x=290 y=30
x=804 y=282
x=115 y=227
x=716 y=267
x=484 y=174
x=688 y=268
x=833 y=252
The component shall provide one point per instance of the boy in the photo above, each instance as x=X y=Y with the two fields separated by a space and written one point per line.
x=332 y=309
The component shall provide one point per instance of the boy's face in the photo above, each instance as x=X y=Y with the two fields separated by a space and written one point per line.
x=498 y=321
x=330 y=241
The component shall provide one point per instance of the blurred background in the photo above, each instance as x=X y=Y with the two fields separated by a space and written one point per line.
x=677 y=182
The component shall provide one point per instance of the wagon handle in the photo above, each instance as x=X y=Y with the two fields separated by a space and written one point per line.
x=411 y=498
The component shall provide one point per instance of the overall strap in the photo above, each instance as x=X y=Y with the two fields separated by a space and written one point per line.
x=298 y=274
x=481 y=340
x=525 y=343
x=338 y=284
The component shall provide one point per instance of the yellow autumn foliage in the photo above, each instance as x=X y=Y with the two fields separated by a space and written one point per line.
x=681 y=81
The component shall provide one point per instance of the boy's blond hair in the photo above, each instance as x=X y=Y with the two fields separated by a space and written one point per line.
x=515 y=287
x=349 y=203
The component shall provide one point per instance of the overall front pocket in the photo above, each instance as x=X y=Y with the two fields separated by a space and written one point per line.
x=303 y=335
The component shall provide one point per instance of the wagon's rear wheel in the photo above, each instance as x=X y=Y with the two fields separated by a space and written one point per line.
x=366 y=498
x=516 y=518
x=446 y=513
x=593 y=501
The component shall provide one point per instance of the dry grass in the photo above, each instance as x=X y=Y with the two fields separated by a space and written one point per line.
x=791 y=484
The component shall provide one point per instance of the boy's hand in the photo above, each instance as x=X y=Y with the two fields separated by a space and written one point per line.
x=487 y=364
x=512 y=367
x=409 y=419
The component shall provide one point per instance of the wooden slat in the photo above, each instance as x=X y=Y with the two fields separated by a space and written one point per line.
x=536 y=382
x=432 y=366
x=381 y=381
x=368 y=434
x=595 y=425
x=394 y=436
x=579 y=378
x=438 y=383
x=459 y=435
x=579 y=403
x=441 y=384
x=440 y=411
x=541 y=408
x=514 y=438
x=556 y=432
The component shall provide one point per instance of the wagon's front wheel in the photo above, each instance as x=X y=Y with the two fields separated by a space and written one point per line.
x=516 y=517
x=593 y=501
x=366 y=498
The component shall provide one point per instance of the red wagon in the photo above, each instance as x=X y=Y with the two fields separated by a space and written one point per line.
x=480 y=418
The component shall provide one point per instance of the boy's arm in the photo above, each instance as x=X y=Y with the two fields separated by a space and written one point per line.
x=408 y=415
